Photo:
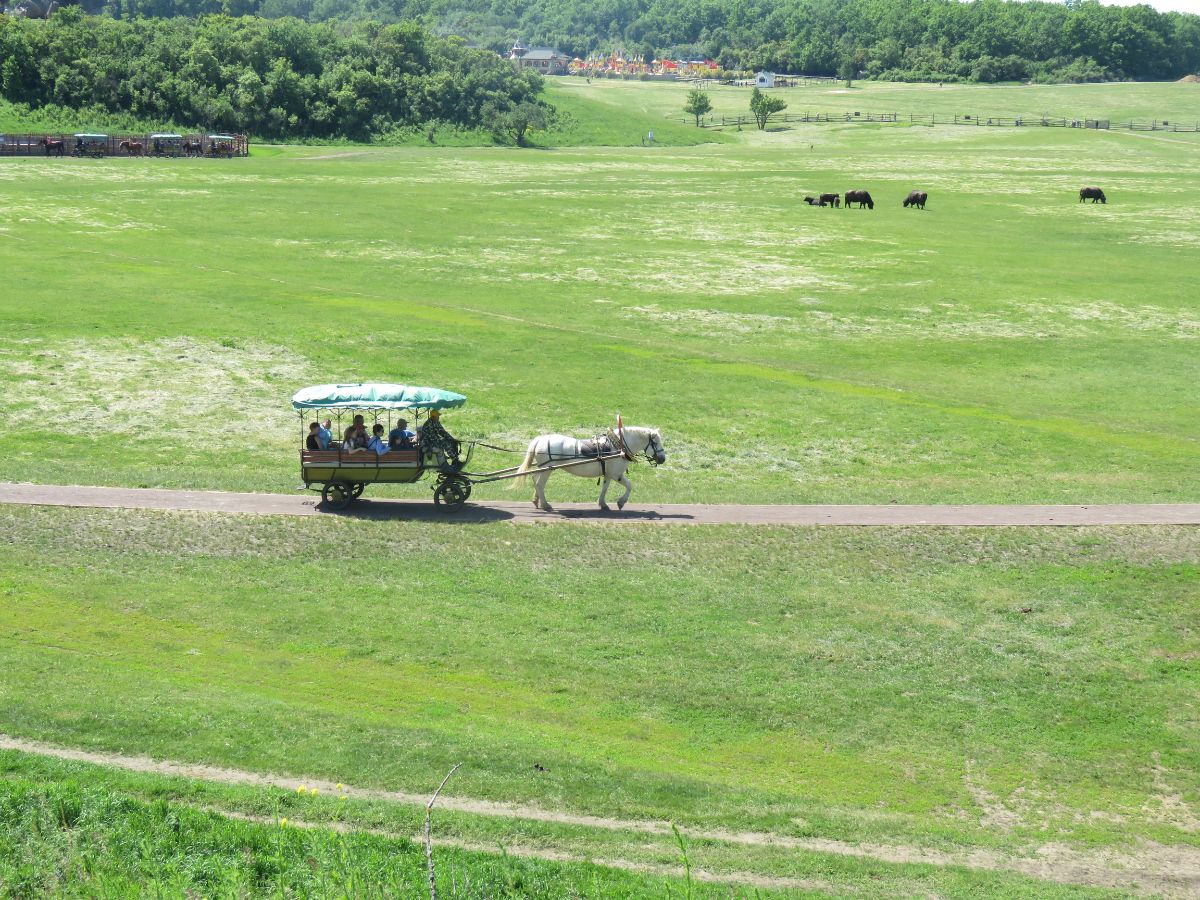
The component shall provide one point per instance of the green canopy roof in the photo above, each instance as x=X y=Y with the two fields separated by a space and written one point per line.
x=375 y=396
x=88 y=135
x=166 y=135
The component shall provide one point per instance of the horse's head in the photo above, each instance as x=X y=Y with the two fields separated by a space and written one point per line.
x=654 y=447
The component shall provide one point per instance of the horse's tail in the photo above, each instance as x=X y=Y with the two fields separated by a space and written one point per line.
x=526 y=465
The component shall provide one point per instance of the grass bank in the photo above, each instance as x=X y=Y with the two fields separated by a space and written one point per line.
x=947 y=687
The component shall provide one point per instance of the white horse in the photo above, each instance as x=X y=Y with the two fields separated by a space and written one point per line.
x=557 y=449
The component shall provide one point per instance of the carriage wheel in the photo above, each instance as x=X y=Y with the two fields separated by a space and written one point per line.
x=451 y=493
x=336 y=495
x=356 y=489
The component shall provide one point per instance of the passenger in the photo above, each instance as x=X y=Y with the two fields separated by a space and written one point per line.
x=400 y=438
x=325 y=435
x=314 y=437
x=377 y=442
x=437 y=440
x=355 y=437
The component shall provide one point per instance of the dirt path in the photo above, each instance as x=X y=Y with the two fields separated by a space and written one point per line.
x=1169 y=871
x=305 y=504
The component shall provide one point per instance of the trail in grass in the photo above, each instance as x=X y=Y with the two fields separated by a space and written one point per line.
x=1171 y=871
x=752 y=879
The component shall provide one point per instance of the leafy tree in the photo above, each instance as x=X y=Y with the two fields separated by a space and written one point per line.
x=698 y=104
x=764 y=106
x=846 y=71
x=517 y=121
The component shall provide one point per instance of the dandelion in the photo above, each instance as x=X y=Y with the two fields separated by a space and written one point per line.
x=340 y=786
x=283 y=823
x=313 y=791
x=343 y=797
x=303 y=789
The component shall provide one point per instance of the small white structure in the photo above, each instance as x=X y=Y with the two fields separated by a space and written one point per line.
x=765 y=80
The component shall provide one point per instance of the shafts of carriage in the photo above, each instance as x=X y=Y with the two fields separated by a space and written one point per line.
x=515 y=471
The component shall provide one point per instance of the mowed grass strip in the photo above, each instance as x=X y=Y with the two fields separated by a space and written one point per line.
x=1007 y=344
x=84 y=824
x=949 y=686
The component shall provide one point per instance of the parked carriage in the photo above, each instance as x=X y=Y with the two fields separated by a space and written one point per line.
x=88 y=144
x=166 y=144
x=222 y=145
x=341 y=474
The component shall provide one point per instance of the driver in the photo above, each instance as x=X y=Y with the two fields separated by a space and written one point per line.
x=436 y=439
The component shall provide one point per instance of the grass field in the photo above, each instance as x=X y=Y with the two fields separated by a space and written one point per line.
x=1007 y=344
x=1020 y=701
x=968 y=690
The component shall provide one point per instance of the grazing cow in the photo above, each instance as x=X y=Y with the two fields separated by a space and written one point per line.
x=55 y=147
x=916 y=198
x=1093 y=194
x=811 y=201
x=862 y=198
x=834 y=200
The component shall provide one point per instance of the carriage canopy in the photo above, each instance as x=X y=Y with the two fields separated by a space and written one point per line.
x=166 y=137
x=91 y=137
x=373 y=395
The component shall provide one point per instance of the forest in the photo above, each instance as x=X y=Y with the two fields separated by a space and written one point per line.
x=270 y=78
x=941 y=40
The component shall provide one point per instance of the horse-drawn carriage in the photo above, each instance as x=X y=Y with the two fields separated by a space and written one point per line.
x=88 y=144
x=342 y=473
x=222 y=144
x=165 y=143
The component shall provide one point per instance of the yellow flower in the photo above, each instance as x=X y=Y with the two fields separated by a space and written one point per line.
x=302 y=789
x=283 y=823
x=343 y=797
x=340 y=786
x=313 y=791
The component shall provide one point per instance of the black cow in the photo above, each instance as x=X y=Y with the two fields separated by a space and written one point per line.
x=916 y=198
x=1093 y=194
x=862 y=198
x=834 y=200
x=811 y=201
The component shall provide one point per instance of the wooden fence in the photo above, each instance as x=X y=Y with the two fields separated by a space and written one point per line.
x=971 y=120
x=217 y=146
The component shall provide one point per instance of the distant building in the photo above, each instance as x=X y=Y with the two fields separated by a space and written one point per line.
x=545 y=60
x=765 y=79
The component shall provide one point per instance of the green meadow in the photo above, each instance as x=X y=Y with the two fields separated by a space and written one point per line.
x=964 y=690
x=1020 y=701
x=1007 y=344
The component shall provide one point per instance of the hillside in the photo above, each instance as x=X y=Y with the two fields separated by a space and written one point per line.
x=941 y=40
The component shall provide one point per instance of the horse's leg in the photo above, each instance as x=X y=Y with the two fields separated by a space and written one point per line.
x=604 y=490
x=628 y=485
x=539 y=486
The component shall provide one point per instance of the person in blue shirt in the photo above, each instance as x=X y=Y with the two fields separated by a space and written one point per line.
x=325 y=434
x=400 y=438
x=313 y=442
x=377 y=443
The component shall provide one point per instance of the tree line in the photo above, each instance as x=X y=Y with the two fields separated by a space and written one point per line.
x=941 y=40
x=270 y=78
